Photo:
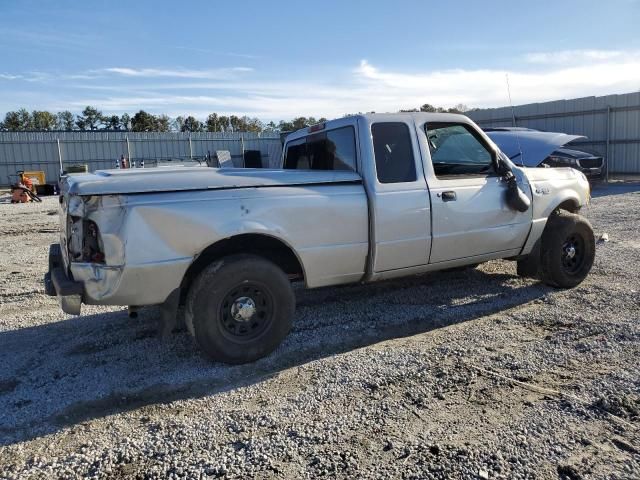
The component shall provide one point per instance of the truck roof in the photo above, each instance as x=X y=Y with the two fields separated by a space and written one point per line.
x=378 y=117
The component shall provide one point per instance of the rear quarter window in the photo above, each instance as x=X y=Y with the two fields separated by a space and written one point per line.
x=394 y=153
x=330 y=150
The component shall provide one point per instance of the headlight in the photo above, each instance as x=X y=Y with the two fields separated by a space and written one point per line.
x=569 y=161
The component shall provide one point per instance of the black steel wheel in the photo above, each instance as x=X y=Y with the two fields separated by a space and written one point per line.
x=240 y=308
x=246 y=311
x=573 y=254
x=567 y=250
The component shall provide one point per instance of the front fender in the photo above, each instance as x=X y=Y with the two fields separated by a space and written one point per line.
x=546 y=207
x=553 y=188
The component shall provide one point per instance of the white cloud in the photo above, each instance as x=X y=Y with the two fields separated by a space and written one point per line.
x=570 y=57
x=38 y=76
x=219 y=73
x=487 y=87
x=9 y=76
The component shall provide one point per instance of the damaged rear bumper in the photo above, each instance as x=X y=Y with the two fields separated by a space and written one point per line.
x=58 y=284
x=96 y=284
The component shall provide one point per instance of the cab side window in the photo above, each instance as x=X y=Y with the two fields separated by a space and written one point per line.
x=393 y=151
x=331 y=150
x=457 y=150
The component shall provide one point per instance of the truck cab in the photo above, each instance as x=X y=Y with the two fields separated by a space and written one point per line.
x=434 y=183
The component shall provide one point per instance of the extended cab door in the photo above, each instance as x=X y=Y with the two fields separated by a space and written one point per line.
x=398 y=196
x=470 y=216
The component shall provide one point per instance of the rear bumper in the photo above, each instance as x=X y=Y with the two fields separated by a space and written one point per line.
x=58 y=284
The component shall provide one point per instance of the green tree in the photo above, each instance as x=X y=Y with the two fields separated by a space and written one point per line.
x=163 y=123
x=90 y=119
x=191 y=124
x=271 y=126
x=125 y=121
x=253 y=124
x=43 y=120
x=214 y=124
x=285 y=126
x=300 y=122
x=177 y=123
x=225 y=123
x=459 y=108
x=112 y=122
x=237 y=124
x=65 y=120
x=17 y=121
x=427 y=107
x=143 y=122
x=26 y=122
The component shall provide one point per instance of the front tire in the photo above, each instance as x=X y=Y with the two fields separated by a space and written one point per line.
x=240 y=308
x=567 y=251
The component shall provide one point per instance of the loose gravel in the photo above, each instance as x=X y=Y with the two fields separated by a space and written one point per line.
x=461 y=374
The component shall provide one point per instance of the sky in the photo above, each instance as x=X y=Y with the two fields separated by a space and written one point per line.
x=281 y=59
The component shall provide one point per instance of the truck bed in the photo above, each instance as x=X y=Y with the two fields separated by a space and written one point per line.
x=162 y=179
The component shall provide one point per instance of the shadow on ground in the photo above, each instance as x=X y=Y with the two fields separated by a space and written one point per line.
x=60 y=374
x=605 y=190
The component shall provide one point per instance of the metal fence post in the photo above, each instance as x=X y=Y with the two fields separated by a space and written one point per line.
x=128 y=149
x=59 y=156
x=608 y=149
x=190 y=148
x=242 y=146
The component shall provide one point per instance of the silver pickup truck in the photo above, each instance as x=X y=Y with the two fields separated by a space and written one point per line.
x=359 y=199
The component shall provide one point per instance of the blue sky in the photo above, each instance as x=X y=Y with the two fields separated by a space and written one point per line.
x=277 y=60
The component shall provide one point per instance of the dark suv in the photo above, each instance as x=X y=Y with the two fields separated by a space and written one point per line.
x=533 y=148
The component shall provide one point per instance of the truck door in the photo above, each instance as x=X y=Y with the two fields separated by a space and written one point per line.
x=399 y=204
x=469 y=213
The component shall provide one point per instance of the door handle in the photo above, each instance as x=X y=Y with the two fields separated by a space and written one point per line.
x=449 y=196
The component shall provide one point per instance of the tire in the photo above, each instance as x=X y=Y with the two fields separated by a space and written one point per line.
x=568 y=250
x=240 y=308
x=55 y=256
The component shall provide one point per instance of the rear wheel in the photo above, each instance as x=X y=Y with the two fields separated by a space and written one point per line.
x=567 y=251
x=240 y=308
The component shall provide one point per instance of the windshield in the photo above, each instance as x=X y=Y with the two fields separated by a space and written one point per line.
x=456 y=150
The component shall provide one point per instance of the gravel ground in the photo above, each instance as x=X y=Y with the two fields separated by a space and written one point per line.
x=474 y=374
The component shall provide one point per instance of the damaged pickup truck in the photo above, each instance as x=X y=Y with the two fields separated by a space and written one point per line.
x=359 y=199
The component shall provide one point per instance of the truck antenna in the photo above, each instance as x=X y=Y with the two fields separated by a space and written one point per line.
x=513 y=117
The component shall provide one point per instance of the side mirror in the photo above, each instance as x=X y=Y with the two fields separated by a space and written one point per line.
x=495 y=159
x=515 y=197
x=502 y=168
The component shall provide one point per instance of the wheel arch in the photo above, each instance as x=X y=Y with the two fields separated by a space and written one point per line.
x=566 y=200
x=571 y=205
x=267 y=246
x=544 y=209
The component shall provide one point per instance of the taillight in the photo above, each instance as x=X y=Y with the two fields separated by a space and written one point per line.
x=91 y=249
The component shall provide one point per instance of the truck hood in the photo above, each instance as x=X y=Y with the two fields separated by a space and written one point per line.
x=535 y=146
x=552 y=174
x=161 y=179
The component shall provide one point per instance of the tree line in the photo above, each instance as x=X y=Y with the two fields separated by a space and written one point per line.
x=92 y=119
x=460 y=108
